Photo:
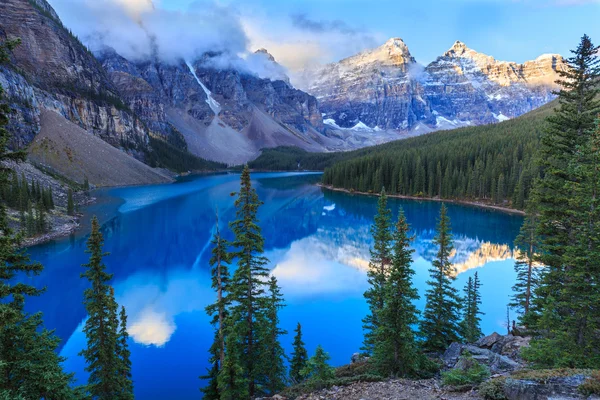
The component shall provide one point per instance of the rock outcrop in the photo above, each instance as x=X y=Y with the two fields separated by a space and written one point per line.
x=52 y=70
x=222 y=114
x=500 y=353
x=556 y=388
x=386 y=88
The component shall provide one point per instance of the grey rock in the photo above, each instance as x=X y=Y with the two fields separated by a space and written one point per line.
x=489 y=341
x=386 y=88
x=496 y=362
x=559 y=388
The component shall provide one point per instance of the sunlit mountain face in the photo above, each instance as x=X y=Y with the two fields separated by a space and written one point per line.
x=318 y=245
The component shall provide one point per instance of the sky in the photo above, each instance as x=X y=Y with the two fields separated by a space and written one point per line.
x=300 y=33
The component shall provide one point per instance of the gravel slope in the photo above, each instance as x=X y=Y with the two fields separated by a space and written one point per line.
x=64 y=147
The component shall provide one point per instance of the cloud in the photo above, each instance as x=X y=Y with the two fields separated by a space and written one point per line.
x=154 y=300
x=303 y=22
x=137 y=29
x=299 y=42
x=151 y=328
x=141 y=29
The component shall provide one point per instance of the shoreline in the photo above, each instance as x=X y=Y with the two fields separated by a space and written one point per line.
x=400 y=196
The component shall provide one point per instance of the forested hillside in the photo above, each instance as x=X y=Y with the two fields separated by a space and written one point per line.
x=491 y=163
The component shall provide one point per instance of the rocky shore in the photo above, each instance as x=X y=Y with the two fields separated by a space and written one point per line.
x=510 y=378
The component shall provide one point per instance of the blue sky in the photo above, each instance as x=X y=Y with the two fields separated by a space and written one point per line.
x=513 y=30
x=300 y=33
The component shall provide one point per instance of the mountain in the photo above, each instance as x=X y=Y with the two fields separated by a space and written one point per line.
x=198 y=106
x=386 y=88
x=52 y=70
x=222 y=114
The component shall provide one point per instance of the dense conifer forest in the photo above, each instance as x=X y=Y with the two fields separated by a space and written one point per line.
x=493 y=163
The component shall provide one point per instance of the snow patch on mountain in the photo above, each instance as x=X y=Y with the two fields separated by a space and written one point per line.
x=212 y=103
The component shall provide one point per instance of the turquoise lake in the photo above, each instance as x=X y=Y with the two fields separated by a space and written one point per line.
x=317 y=242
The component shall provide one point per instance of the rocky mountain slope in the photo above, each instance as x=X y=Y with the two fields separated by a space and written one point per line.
x=386 y=88
x=52 y=70
x=222 y=114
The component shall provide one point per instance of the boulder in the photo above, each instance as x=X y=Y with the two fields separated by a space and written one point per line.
x=507 y=345
x=358 y=357
x=557 y=388
x=489 y=341
x=496 y=362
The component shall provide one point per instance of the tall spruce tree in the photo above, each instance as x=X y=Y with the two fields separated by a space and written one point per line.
x=379 y=264
x=439 y=326
x=30 y=367
x=218 y=310
x=124 y=358
x=566 y=202
x=527 y=245
x=396 y=352
x=248 y=286
x=471 y=323
x=102 y=323
x=272 y=364
x=299 y=356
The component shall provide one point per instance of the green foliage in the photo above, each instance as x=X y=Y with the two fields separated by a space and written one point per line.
x=439 y=326
x=123 y=354
x=106 y=354
x=30 y=367
x=272 y=365
x=219 y=261
x=379 y=264
x=396 y=352
x=470 y=325
x=493 y=389
x=252 y=330
x=166 y=155
x=318 y=372
x=566 y=199
x=591 y=386
x=470 y=372
x=33 y=201
x=527 y=244
x=299 y=356
x=464 y=163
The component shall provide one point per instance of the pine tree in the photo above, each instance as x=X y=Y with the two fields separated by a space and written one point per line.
x=124 y=358
x=30 y=367
x=70 y=204
x=101 y=325
x=318 y=372
x=30 y=220
x=232 y=383
x=299 y=356
x=218 y=310
x=248 y=285
x=470 y=325
x=273 y=356
x=565 y=197
x=396 y=352
x=379 y=265
x=527 y=245
x=439 y=326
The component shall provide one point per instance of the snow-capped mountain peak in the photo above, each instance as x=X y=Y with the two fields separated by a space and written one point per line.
x=386 y=88
x=264 y=51
x=394 y=52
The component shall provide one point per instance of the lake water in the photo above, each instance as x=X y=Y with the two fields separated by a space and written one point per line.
x=318 y=243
